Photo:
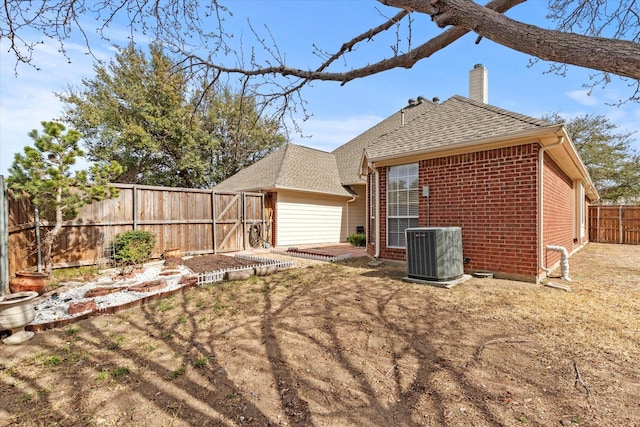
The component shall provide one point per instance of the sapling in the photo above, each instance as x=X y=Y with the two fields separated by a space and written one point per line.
x=45 y=174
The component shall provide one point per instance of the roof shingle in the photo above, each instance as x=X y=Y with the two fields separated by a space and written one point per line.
x=456 y=120
x=292 y=167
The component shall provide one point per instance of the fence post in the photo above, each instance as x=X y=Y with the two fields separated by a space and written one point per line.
x=620 y=223
x=135 y=206
x=213 y=221
x=4 y=237
x=598 y=225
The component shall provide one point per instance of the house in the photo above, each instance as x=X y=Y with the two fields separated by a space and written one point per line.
x=514 y=184
x=304 y=196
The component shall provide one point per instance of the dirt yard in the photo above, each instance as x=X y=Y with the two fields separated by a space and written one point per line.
x=345 y=344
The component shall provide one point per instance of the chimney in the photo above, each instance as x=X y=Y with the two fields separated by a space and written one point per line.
x=479 y=84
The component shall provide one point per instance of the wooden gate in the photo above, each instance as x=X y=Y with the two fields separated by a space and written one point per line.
x=228 y=224
x=238 y=216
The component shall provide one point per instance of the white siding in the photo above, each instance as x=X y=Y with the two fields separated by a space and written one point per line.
x=305 y=219
x=356 y=213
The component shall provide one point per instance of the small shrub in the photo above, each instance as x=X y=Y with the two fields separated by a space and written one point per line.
x=103 y=375
x=357 y=239
x=132 y=248
x=201 y=362
x=120 y=371
x=180 y=371
x=52 y=361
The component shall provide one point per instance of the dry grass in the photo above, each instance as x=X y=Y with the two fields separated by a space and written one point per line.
x=346 y=344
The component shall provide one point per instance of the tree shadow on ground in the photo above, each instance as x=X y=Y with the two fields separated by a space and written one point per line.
x=320 y=346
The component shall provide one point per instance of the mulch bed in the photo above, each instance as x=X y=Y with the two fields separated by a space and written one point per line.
x=208 y=263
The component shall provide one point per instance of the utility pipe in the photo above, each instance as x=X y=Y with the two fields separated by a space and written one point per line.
x=564 y=263
x=541 y=201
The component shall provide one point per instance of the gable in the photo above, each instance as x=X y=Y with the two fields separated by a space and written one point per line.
x=349 y=155
x=292 y=167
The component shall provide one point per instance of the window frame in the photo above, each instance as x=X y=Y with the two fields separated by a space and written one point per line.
x=404 y=206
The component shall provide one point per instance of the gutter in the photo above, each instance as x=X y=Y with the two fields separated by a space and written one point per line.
x=541 y=202
x=478 y=143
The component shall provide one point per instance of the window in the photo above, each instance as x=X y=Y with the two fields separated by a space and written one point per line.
x=402 y=202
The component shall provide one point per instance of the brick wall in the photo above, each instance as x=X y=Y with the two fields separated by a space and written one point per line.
x=559 y=211
x=491 y=195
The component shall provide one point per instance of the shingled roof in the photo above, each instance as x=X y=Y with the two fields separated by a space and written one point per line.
x=292 y=167
x=349 y=155
x=419 y=127
x=457 y=120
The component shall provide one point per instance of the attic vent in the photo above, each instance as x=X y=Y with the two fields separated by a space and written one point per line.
x=434 y=253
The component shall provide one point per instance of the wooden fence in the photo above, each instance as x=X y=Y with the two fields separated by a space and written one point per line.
x=194 y=221
x=614 y=224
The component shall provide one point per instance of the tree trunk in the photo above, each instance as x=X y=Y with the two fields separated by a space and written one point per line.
x=52 y=235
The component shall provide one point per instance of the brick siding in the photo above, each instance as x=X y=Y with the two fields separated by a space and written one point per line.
x=559 y=211
x=491 y=195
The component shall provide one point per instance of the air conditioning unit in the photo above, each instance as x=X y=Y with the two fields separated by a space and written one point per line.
x=434 y=253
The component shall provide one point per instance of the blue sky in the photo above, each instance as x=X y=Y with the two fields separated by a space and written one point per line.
x=339 y=112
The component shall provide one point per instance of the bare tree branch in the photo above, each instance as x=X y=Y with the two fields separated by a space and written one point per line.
x=406 y=60
x=608 y=42
x=609 y=55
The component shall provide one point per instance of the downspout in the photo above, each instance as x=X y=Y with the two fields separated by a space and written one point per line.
x=349 y=217
x=541 y=202
x=377 y=253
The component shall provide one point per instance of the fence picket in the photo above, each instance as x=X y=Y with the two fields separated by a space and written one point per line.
x=614 y=224
x=179 y=217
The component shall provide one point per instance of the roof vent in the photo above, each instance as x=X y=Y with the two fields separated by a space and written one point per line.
x=479 y=84
x=413 y=102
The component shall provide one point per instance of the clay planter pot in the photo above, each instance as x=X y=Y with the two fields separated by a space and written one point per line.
x=16 y=312
x=29 y=281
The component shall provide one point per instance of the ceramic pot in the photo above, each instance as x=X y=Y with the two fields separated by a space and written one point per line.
x=16 y=312
x=29 y=281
